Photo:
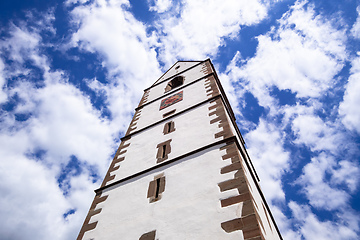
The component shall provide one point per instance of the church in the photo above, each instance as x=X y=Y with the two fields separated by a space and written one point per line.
x=181 y=170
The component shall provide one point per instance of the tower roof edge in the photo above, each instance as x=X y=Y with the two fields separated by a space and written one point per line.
x=178 y=67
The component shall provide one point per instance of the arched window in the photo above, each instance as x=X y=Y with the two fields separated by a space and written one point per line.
x=175 y=82
x=148 y=236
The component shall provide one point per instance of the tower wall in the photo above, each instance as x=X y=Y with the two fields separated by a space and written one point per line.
x=181 y=174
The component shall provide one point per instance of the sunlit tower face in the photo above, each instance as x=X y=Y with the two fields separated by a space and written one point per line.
x=181 y=171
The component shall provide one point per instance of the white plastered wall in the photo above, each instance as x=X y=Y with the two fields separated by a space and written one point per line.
x=192 y=131
x=188 y=209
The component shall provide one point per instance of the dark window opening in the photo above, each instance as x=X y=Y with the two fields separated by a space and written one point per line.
x=175 y=82
x=169 y=113
x=148 y=236
x=163 y=151
x=157 y=188
x=168 y=126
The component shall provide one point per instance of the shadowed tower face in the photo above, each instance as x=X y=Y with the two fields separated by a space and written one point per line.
x=181 y=171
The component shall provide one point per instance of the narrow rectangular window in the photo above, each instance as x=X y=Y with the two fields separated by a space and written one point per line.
x=169 y=113
x=164 y=149
x=156 y=188
x=169 y=127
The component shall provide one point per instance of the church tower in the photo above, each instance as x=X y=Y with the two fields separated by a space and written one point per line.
x=182 y=170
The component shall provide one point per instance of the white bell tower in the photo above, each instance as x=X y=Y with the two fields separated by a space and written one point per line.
x=181 y=171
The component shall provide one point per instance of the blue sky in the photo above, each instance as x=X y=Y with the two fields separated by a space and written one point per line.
x=72 y=73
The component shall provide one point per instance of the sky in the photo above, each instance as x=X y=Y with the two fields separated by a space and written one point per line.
x=73 y=71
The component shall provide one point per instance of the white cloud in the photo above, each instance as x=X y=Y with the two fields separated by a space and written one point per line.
x=348 y=108
x=159 y=6
x=315 y=184
x=284 y=224
x=271 y=160
x=62 y=123
x=196 y=29
x=312 y=228
x=66 y=124
x=302 y=55
x=30 y=199
x=355 y=30
x=322 y=31
x=330 y=142
x=347 y=173
x=80 y=198
x=70 y=2
x=108 y=29
x=22 y=44
x=312 y=131
x=3 y=95
x=62 y=117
